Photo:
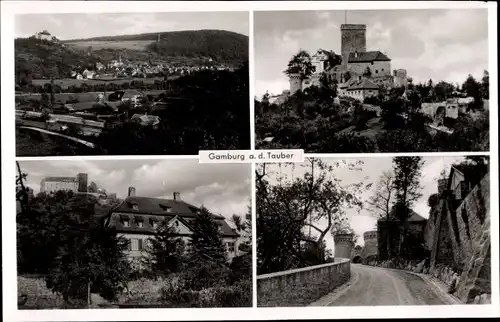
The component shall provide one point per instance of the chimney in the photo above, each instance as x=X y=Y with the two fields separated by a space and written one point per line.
x=131 y=191
x=177 y=196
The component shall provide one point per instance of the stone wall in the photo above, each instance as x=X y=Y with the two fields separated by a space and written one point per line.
x=459 y=235
x=473 y=217
x=300 y=287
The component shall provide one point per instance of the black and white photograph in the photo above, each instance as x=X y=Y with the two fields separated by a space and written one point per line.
x=131 y=83
x=357 y=81
x=133 y=234
x=376 y=231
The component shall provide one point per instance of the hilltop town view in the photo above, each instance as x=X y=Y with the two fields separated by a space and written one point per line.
x=374 y=231
x=85 y=91
x=388 y=85
x=112 y=234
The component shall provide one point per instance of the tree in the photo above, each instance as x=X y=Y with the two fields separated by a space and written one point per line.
x=166 y=250
x=92 y=187
x=286 y=210
x=300 y=64
x=367 y=72
x=61 y=236
x=206 y=242
x=485 y=85
x=244 y=227
x=382 y=200
x=433 y=200
x=407 y=173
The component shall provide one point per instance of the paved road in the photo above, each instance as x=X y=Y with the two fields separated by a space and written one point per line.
x=378 y=286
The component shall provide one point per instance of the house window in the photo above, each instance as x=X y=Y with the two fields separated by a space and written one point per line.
x=155 y=224
x=140 y=224
x=230 y=247
x=126 y=223
x=134 y=244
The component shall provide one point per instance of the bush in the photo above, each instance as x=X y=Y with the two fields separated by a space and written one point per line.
x=205 y=275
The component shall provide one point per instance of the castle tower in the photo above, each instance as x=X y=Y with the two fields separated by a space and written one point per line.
x=370 y=251
x=343 y=245
x=295 y=83
x=353 y=40
x=400 y=78
x=131 y=191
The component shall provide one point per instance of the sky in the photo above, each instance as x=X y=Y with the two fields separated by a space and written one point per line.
x=429 y=43
x=222 y=188
x=369 y=172
x=76 y=26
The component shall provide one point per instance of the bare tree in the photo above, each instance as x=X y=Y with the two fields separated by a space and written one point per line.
x=382 y=200
x=383 y=197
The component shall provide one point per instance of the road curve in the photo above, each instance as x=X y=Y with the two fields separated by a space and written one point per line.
x=371 y=286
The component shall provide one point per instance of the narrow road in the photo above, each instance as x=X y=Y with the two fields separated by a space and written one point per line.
x=370 y=286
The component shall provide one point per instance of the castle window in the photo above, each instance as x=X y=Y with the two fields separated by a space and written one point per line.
x=382 y=69
x=376 y=71
x=140 y=224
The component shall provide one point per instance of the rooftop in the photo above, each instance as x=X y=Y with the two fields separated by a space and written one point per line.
x=367 y=57
x=361 y=84
x=151 y=210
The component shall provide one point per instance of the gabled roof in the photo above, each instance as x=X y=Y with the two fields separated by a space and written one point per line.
x=362 y=84
x=155 y=206
x=146 y=119
x=150 y=210
x=367 y=57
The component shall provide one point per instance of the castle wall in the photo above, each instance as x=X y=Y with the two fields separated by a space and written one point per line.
x=460 y=238
x=377 y=68
x=353 y=38
x=474 y=228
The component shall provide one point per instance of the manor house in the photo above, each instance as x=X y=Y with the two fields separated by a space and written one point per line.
x=137 y=219
x=360 y=74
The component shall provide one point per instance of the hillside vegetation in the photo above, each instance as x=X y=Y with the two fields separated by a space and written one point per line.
x=36 y=58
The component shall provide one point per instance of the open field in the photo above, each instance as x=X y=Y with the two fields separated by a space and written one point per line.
x=81 y=97
x=108 y=44
x=66 y=82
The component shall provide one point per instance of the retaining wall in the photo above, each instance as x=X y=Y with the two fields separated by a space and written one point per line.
x=300 y=287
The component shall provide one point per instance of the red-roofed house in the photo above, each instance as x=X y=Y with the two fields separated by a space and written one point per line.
x=137 y=218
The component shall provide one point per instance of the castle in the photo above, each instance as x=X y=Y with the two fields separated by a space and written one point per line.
x=361 y=73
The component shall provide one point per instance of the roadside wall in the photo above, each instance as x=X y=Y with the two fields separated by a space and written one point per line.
x=300 y=287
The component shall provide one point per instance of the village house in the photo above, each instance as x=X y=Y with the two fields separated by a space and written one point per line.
x=137 y=219
x=359 y=88
x=88 y=74
x=146 y=120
